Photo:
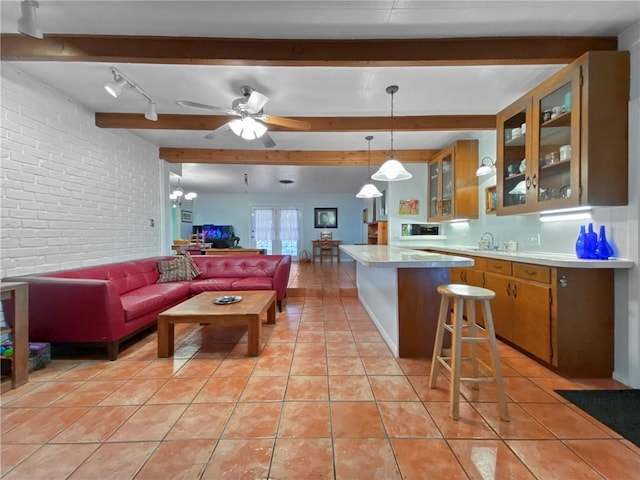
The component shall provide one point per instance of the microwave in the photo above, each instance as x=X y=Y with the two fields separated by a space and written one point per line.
x=413 y=229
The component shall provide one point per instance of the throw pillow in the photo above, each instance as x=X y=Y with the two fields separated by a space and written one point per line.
x=195 y=271
x=174 y=270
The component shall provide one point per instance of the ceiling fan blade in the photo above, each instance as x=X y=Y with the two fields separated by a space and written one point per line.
x=256 y=102
x=212 y=135
x=267 y=141
x=291 y=123
x=187 y=103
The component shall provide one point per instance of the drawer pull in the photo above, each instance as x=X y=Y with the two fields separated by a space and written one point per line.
x=529 y=272
x=497 y=267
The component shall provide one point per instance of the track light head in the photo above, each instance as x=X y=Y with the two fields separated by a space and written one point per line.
x=115 y=88
x=151 y=113
x=28 y=23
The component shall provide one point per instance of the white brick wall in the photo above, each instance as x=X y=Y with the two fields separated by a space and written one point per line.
x=71 y=194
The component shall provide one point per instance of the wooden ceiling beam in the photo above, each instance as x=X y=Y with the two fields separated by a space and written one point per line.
x=357 y=158
x=278 y=52
x=318 y=124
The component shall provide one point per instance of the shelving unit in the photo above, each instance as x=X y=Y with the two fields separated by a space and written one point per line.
x=16 y=298
x=377 y=233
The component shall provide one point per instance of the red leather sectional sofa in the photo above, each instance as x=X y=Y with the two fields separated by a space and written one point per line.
x=109 y=303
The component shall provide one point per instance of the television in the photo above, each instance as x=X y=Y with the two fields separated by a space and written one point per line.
x=219 y=236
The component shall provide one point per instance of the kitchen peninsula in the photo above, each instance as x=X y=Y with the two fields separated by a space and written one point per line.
x=397 y=287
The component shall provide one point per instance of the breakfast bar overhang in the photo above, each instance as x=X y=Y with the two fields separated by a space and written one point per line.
x=397 y=287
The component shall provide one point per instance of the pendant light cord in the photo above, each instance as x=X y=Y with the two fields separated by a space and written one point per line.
x=368 y=138
x=392 y=152
x=391 y=90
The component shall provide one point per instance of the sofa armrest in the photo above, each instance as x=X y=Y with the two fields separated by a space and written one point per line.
x=73 y=309
x=281 y=277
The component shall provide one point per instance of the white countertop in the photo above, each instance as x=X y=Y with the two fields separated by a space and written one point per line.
x=400 y=257
x=538 y=258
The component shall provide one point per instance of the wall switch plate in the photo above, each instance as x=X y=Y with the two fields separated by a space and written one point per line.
x=533 y=240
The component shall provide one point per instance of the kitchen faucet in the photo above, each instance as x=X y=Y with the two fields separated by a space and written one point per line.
x=489 y=244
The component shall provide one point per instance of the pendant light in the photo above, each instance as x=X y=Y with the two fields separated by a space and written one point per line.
x=369 y=190
x=391 y=170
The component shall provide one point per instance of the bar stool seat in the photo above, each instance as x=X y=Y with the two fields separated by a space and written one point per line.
x=463 y=298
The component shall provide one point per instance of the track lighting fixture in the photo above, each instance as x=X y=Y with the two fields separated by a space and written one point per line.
x=151 y=113
x=115 y=87
x=391 y=170
x=27 y=23
x=369 y=190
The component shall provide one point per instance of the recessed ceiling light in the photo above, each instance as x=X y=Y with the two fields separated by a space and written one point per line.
x=285 y=181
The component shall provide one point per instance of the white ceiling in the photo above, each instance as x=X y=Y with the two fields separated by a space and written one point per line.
x=309 y=91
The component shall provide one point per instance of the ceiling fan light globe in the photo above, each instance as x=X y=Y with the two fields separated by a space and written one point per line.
x=177 y=193
x=369 y=191
x=190 y=196
x=236 y=126
x=391 y=171
x=259 y=129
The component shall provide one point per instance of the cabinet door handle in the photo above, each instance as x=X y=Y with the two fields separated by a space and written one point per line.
x=462 y=276
x=528 y=182
x=534 y=180
x=529 y=272
x=508 y=289
x=515 y=291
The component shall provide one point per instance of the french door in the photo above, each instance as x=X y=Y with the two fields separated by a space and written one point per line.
x=277 y=229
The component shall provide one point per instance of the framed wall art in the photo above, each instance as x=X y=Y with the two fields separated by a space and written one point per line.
x=325 y=217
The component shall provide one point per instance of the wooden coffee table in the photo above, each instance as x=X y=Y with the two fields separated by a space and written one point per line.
x=201 y=309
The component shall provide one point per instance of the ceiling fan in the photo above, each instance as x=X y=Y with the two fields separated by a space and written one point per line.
x=250 y=125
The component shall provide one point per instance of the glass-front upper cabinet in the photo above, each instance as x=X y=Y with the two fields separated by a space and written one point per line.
x=453 y=185
x=513 y=177
x=434 y=189
x=565 y=143
x=441 y=186
x=556 y=143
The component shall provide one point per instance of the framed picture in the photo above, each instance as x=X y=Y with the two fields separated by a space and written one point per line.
x=187 y=216
x=365 y=215
x=325 y=217
x=408 y=207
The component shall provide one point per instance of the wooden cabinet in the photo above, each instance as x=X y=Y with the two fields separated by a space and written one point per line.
x=471 y=276
x=564 y=144
x=561 y=316
x=452 y=182
x=377 y=233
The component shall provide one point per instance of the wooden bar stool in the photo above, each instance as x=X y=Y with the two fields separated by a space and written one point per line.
x=462 y=296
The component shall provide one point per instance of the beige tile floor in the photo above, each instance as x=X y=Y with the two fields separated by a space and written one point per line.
x=325 y=399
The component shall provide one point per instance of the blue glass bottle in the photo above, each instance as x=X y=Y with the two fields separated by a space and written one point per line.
x=592 y=242
x=603 y=248
x=581 y=243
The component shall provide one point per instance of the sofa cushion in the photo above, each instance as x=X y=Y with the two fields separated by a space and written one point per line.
x=176 y=270
x=212 y=284
x=195 y=271
x=253 y=283
x=152 y=297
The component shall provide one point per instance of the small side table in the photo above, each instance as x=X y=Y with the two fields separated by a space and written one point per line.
x=18 y=294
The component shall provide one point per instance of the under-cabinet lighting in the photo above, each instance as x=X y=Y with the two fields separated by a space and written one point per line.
x=565 y=210
x=563 y=217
